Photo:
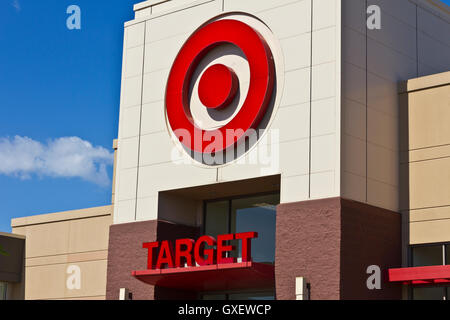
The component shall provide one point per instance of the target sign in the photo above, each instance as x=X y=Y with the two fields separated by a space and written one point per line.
x=219 y=84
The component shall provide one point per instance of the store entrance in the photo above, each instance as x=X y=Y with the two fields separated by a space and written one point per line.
x=244 y=214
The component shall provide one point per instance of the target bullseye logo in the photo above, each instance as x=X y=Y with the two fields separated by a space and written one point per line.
x=219 y=85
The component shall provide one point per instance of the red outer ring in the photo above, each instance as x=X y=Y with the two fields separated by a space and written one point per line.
x=262 y=71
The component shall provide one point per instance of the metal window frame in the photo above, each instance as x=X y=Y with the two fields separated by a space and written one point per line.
x=230 y=205
x=445 y=261
x=443 y=245
x=230 y=200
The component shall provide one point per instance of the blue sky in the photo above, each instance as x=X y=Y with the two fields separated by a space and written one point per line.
x=58 y=83
x=59 y=97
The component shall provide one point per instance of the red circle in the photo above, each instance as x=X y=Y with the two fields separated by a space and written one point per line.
x=218 y=86
x=260 y=90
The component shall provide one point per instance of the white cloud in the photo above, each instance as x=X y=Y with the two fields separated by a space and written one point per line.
x=16 y=5
x=68 y=157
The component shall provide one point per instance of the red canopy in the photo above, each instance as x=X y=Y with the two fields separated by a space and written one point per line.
x=232 y=276
x=421 y=275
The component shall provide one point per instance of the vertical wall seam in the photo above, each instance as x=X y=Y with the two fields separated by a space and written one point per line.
x=310 y=98
x=367 y=106
x=140 y=122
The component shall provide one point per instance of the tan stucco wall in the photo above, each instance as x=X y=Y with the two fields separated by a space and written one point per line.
x=59 y=240
x=425 y=160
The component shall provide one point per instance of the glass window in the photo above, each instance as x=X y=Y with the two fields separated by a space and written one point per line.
x=3 y=287
x=256 y=214
x=429 y=293
x=251 y=214
x=216 y=219
x=427 y=256
x=430 y=255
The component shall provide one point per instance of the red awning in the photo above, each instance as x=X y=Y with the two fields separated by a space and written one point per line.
x=232 y=276
x=421 y=275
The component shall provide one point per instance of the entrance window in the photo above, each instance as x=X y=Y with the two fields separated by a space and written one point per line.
x=249 y=214
x=256 y=213
x=430 y=255
x=427 y=256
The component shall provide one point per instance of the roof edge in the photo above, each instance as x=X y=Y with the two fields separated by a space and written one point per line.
x=62 y=216
x=426 y=82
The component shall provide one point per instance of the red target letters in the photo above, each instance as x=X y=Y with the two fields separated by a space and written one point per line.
x=190 y=252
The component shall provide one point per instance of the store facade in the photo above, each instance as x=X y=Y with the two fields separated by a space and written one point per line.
x=314 y=93
x=262 y=151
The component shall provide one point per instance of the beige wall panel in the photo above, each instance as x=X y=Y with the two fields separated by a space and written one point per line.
x=88 y=256
x=382 y=129
x=429 y=117
x=429 y=153
x=382 y=164
x=93 y=280
x=67 y=258
x=430 y=231
x=46 y=260
x=429 y=214
x=429 y=183
x=53 y=244
x=50 y=281
x=354 y=119
x=89 y=234
x=425 y=158
x=382 y=195
x=45 y=282
x=353 y=187
x=47 y=239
